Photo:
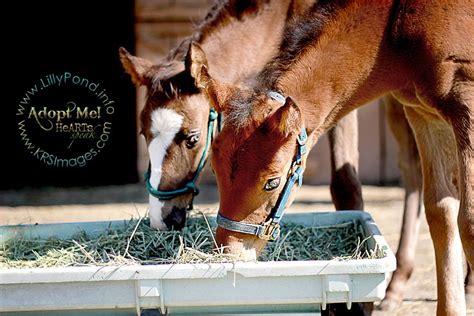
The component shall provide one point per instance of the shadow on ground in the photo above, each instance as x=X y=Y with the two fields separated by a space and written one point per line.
x=130 y=193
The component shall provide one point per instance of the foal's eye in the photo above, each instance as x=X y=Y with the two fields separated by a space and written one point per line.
x=272 y=184
x=193 y=138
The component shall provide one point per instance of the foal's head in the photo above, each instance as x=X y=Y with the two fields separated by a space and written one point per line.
x=177 y=125
x=253 y=157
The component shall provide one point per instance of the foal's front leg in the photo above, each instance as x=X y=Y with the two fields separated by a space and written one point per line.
x=437 y=150
x=345 y=186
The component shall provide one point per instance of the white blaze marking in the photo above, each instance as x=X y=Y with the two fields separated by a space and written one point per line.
x=165 y=124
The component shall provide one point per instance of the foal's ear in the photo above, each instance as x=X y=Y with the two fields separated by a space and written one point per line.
x=136 y=67
x=196 y=62
x=216 y=92
x=287 y=119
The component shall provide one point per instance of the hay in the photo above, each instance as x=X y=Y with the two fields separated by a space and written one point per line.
x=137 y=243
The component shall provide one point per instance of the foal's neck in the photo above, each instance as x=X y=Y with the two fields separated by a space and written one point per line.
x=239 y=44
x=346 y=66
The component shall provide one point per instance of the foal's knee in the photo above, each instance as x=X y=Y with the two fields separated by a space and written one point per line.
x=346 y=189
x=405 y=265
x=440 y=216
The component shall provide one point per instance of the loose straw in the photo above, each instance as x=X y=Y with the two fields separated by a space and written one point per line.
x=137 y=243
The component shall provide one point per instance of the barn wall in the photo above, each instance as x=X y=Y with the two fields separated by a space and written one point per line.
x=67 y=107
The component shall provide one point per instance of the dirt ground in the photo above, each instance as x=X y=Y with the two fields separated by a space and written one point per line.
x=385 y=204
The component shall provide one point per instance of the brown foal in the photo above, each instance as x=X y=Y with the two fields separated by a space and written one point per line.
x=339 y=57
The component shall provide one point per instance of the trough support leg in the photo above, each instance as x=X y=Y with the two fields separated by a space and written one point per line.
x=149 y=294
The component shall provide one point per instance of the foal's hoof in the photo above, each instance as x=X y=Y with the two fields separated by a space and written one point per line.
x=389 y=304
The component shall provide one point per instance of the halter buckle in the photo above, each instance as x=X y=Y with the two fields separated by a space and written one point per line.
x=277 y=96
x=269 y=231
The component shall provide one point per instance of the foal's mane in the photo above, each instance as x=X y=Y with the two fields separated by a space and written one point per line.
x=298 y=36
x=170 y=81
x=223 y=12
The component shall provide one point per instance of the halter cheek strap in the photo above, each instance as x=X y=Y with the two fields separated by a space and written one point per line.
x=270 y=229
x=190 y=186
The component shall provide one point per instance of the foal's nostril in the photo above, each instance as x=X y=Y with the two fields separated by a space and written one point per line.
x=176 y=219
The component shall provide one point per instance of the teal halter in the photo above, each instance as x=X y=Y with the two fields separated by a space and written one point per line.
x=270 y=229
x=190 y=186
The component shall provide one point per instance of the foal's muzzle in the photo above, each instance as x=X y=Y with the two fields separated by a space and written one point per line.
x=176 y=219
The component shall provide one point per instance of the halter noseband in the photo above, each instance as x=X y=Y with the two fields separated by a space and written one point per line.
x=190 y=186
x=270 y=229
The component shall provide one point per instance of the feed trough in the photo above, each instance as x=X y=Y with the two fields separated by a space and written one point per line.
x=283 y=287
